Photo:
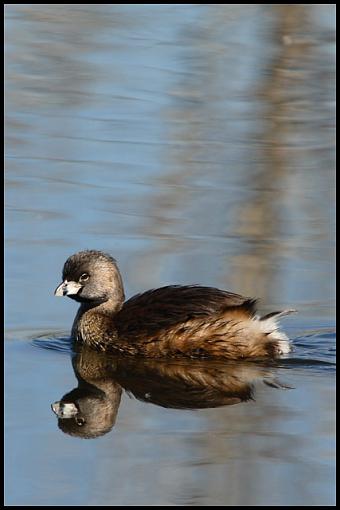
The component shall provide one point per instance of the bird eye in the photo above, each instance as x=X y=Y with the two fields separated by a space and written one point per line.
x=84 y=277
x=80 y=422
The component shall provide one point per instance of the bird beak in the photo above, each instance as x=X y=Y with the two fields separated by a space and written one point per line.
x=67 y=289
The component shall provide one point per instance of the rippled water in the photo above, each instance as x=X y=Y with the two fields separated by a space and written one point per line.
x=196 y=144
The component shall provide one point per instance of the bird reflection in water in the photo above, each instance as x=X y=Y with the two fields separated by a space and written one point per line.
x=90 y=410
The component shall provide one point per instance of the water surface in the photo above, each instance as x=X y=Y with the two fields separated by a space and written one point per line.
x=195 y=143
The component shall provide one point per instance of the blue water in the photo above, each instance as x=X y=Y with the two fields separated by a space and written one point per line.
x=195 y=143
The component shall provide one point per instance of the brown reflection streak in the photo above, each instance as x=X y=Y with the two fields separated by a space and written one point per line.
x=259 y=219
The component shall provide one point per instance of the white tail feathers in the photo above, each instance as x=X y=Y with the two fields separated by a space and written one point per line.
x=269 y=325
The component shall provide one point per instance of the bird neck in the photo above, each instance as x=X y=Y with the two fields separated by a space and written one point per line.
x=109 y=307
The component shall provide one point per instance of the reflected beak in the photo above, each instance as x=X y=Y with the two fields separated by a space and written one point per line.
x=64 y=409
x=67 y=289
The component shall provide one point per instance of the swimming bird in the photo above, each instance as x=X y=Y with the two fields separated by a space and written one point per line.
x=190 y=321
